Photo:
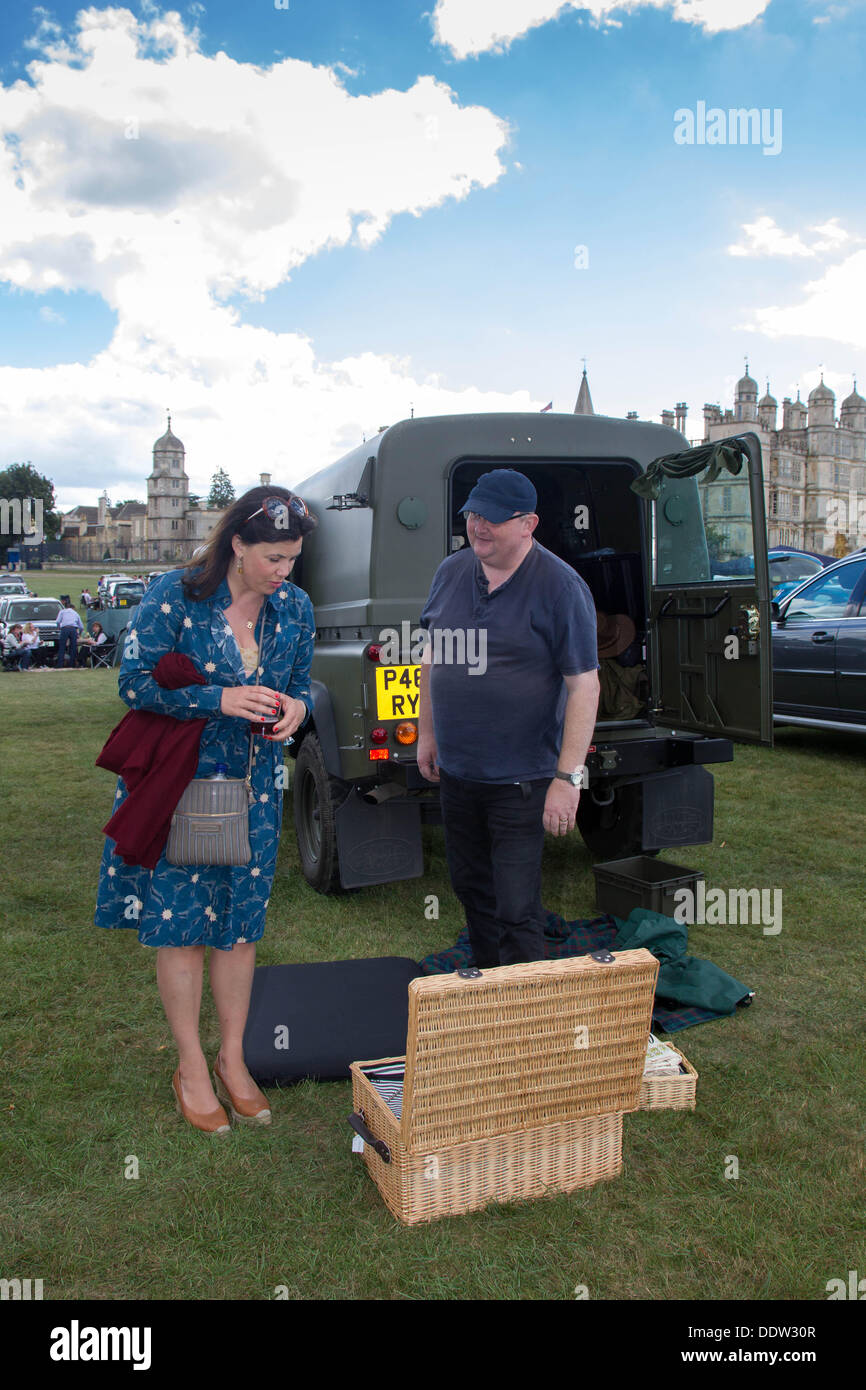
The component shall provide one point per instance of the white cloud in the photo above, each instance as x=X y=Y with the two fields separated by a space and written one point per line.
x=833 y=307
x=470 y=27
x=49 y=315
x=765 y=238
x=165 y=180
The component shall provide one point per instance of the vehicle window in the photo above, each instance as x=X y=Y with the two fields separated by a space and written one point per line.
x=828 y=596
x=785 y=567
x=681 y=553
x=32 y=612
x=726 y=505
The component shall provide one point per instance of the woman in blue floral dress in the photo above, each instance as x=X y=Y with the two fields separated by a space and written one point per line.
x=232 y=613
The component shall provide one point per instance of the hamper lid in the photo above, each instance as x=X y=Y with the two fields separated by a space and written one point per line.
x=521 y=1046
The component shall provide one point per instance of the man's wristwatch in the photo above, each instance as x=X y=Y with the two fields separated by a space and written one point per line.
x=575 y=778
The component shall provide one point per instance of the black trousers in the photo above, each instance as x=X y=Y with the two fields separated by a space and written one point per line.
x=67 y=641
x=494 y=840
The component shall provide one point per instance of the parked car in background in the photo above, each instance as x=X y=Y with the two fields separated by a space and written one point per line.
x=41 y=612
x=123 y=593
x=790 y=568
x=104 y=581
x=12 y=584
x=819 y=650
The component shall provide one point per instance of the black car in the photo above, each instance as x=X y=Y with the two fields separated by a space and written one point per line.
x=819 y=650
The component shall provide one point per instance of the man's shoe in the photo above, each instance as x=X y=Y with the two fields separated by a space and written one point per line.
x=255 y=1111
x=217 y=1122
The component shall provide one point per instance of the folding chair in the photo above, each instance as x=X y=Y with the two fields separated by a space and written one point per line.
x=102 y=655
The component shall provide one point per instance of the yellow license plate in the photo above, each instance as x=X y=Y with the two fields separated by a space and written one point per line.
x=121 y=603
x=398 y=690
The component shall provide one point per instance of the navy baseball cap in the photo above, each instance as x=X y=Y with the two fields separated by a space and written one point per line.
x=499 y=494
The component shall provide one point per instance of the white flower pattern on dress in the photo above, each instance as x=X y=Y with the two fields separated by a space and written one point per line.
x=174 y=898
x=187 y=622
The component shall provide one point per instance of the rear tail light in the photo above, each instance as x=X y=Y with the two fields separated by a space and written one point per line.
x=406 y=732
x=379 y=735
x=377 y=754
x=373 y=652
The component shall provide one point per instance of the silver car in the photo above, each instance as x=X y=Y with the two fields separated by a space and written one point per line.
x=41 y=612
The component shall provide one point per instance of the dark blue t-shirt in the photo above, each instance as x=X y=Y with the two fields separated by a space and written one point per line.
x=496 y=682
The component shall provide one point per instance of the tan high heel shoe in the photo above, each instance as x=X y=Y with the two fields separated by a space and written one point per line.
x=217 y=1122
x=255 y=1111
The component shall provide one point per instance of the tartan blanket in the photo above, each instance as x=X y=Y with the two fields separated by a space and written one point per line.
x=578 y=938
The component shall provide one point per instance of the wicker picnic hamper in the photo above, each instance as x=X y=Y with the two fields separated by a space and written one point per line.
x=670 y=1092
x=516 y=1080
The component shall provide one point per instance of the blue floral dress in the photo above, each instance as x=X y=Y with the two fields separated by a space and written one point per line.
x=211 y=906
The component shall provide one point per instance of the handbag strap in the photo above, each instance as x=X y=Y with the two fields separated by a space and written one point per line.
x=248 y=780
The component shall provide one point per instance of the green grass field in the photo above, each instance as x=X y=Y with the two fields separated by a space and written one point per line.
x=87 y=1060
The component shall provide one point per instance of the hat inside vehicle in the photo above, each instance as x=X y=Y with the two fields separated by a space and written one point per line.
x=616 y=632
x=499 y=494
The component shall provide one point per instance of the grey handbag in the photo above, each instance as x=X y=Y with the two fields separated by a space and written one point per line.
x=211 y=823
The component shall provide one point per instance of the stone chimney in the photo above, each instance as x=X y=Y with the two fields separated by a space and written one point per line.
x=668 y=418
x=265 y=479
x=103 y=508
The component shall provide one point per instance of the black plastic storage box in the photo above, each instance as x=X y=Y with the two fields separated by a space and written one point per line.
x=642 y=881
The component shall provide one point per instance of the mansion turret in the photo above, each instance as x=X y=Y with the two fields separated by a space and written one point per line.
x=167 y=528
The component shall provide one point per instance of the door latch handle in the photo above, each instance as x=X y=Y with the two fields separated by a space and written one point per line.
x=820 y=637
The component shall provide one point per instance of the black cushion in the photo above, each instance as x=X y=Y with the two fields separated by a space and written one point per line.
x=314 y=1020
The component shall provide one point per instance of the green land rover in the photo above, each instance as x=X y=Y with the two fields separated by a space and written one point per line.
x=636 y=513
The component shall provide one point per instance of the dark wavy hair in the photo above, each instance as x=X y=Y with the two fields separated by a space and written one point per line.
x=203 y=575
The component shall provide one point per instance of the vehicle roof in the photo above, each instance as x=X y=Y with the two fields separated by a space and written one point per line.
x=837 y=565
x=362 y=566
x=796 y=550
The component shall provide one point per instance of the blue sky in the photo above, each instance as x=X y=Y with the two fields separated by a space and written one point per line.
x=359 y=207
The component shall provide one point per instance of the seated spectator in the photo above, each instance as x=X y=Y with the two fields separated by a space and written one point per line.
x=97 y=638
x=86 y=598
x=14 y=649
x=30 y=640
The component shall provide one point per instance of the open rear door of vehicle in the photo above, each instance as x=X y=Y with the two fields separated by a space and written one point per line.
x=710 y=631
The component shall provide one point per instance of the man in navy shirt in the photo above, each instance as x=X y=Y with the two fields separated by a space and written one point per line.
x=505 y=730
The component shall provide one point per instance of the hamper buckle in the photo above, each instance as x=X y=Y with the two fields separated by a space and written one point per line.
x=603 y=957
x=469 y=972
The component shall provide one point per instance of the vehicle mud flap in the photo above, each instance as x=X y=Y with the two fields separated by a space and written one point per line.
x=378 y=844
x=678 y=808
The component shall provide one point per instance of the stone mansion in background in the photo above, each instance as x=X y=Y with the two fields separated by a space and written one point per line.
x=814 y=469
x=814 y=484
x=167 y=527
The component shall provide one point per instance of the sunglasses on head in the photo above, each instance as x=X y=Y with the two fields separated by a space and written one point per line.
x=275 y=509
